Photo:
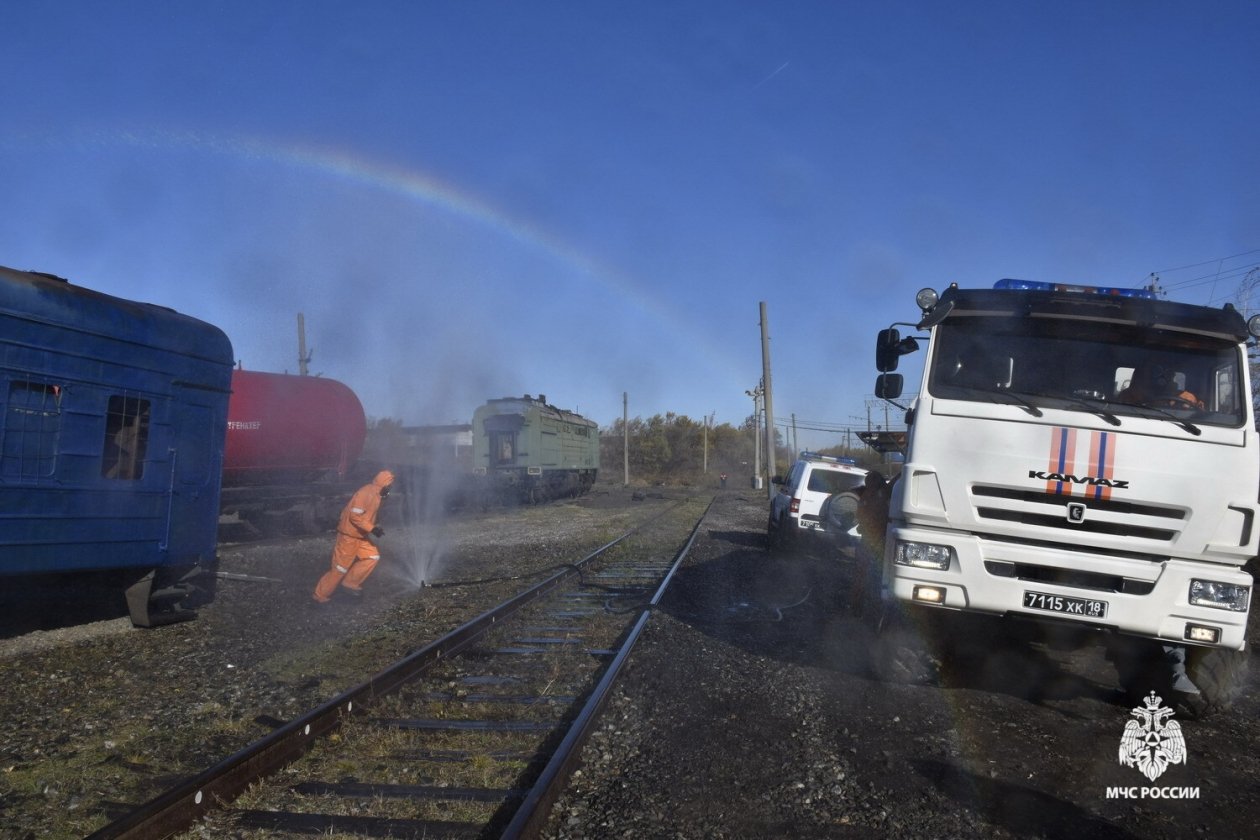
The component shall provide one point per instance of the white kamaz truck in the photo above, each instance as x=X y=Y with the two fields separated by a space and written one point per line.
x=1082 y=457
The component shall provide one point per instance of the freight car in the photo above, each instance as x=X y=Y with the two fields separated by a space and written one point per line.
x=432 y=466
x=293 y=443
x=527 y=450
x=112 y=418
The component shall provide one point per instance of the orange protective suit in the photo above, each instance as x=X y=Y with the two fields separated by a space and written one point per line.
x=354 y=554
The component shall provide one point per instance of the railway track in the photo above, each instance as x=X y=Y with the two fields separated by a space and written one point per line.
x=473 y=734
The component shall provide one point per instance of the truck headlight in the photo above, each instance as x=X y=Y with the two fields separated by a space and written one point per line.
x=923 y=555
x=1224 y=596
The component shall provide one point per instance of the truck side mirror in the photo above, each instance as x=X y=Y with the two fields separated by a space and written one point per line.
x=890 y=346
x=886 y=354
x=888 y=386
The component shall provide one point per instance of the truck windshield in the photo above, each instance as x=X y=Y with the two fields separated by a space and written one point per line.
x=1112 y=369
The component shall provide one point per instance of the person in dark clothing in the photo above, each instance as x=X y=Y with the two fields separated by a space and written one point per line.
x=872 y=512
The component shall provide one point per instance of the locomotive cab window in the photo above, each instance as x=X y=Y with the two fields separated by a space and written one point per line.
x=503 y=447
x=126 y=438
x=32 y=422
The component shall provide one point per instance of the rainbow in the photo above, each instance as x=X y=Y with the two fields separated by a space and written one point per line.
x=430 y=191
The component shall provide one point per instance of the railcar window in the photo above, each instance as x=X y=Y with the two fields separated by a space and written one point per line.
x=126 y=438
x=32 y=424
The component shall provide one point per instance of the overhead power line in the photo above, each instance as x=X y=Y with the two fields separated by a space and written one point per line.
x=1216 y=261
x=1224 y=274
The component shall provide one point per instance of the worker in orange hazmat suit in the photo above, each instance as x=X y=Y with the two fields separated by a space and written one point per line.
x=355 y=553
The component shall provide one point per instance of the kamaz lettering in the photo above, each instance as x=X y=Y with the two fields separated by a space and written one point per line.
x=1092 y=481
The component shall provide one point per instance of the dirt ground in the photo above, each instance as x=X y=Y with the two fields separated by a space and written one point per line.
x=96 y=715
x=751 y=710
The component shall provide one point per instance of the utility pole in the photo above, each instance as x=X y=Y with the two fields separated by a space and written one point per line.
x=625 y=436
x=708 y=418
x=304 y=357
x=756 y=398
x=705 y=446
x=767 y=399
x=796 y=446
x=1247 y=302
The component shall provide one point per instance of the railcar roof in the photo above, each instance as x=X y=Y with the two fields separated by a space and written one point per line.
x=44 y=297
x=520 y=404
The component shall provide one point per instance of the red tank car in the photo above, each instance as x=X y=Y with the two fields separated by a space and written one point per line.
x=283 y=429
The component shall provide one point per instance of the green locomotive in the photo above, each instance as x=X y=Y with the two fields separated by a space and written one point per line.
x=529 y=451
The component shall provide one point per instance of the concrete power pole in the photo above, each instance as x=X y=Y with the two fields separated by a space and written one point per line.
x=756 y=398
x=625 y=436
x=705 y=469
x=768 y=399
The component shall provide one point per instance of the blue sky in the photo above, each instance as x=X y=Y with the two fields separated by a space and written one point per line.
x=481 y=199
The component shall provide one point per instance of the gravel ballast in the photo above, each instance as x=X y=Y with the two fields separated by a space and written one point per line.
x=99 y=715
x=749 y=710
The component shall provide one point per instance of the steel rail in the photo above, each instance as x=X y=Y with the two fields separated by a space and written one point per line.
x=531 y=816
x=176 y=809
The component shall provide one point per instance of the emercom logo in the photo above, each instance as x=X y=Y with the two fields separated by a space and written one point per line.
x=1152 y=743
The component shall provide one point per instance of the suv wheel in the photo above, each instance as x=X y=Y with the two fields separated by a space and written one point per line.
x=839 y=513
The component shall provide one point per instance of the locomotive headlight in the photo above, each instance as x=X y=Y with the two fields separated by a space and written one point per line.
x=923 y=555
x=1223 y=596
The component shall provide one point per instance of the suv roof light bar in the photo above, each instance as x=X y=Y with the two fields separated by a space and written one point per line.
x=814 y=456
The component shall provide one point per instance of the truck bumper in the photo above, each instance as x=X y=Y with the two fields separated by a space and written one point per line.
x=1137 y=596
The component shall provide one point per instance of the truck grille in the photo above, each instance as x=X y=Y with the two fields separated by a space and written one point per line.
x=1043 y=510
x=1069 y=577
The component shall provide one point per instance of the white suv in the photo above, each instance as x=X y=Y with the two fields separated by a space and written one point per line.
x=798 y=507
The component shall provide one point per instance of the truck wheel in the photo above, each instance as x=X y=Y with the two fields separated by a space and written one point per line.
x=904 y=653
x=1219 y=674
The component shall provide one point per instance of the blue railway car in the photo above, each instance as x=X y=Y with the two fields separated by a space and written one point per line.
x=112 y=422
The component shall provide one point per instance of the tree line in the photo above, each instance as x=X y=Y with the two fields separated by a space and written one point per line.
x=672 y=449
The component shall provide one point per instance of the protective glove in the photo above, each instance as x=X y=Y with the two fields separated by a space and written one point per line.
x=378 y=531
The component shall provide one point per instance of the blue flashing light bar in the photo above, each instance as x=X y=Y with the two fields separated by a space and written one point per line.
x=1039 y=286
